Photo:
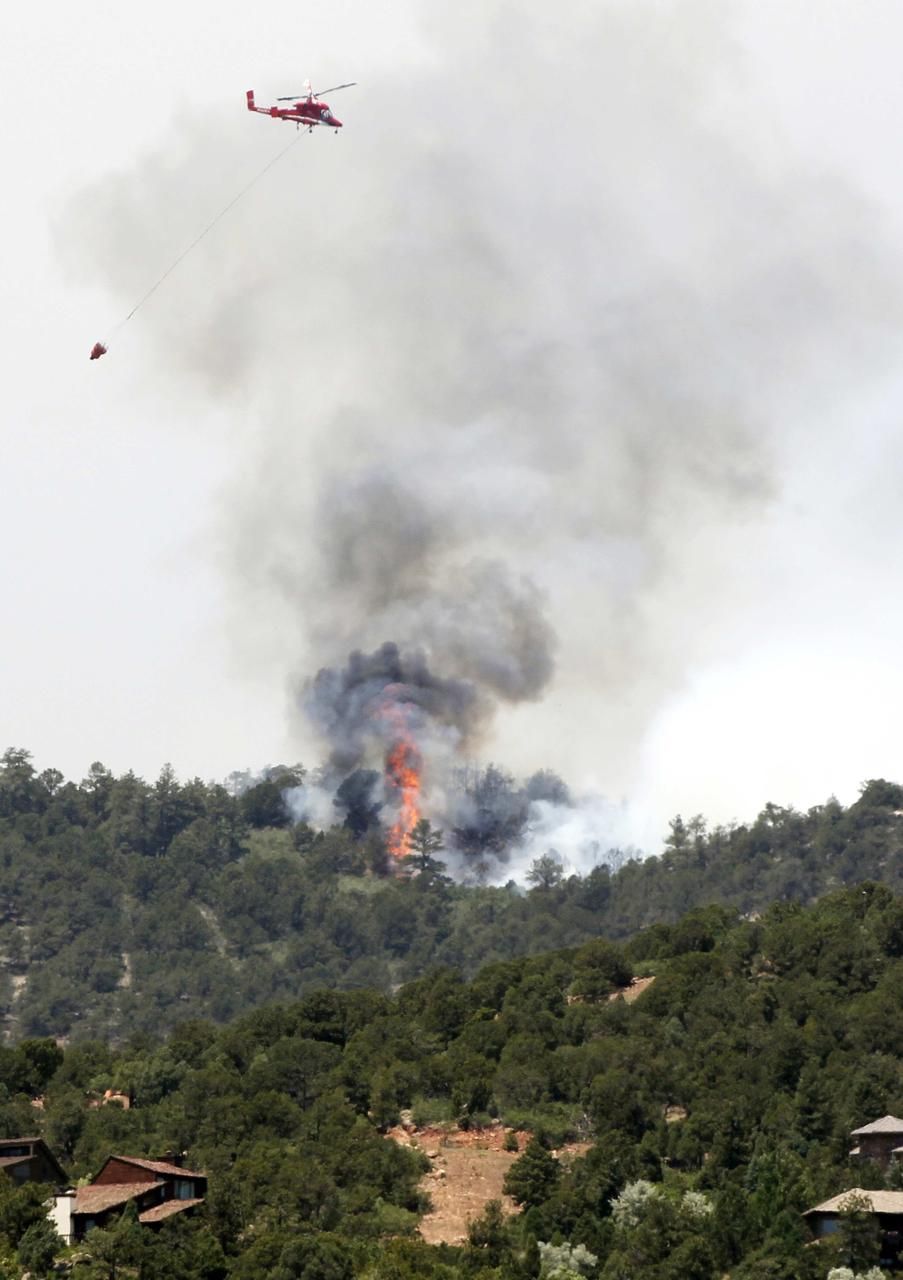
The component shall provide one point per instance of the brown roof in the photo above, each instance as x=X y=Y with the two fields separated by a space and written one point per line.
x=879 y=1201
x=159 y=1166
x=41 y=1149
x=887 y=1124
x=166 y=1210
x=106 y=1196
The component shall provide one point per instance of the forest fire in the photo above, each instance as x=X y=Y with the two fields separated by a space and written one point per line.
x=403 y=772
x=389 y=706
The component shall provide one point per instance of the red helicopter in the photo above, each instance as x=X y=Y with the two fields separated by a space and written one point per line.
x=307 y=109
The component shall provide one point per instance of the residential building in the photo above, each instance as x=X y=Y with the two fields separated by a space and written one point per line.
x=30 y=1160
x=881 y=1141
x=159 y=1189
x=887 y=1207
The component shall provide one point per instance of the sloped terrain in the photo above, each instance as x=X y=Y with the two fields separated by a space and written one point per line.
x=468 y=1169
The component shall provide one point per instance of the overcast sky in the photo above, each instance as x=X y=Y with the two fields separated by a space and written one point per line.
x=731 y=166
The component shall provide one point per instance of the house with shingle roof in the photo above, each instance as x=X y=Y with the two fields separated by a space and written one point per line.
x=30 y=1160
x=885 y=1206
x=159 y=1189
x=881 y=1141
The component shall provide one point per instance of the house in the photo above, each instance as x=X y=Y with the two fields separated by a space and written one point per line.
x=159 y=1189
x=886 y=1206
x=30 y=1160
x=881 y=1141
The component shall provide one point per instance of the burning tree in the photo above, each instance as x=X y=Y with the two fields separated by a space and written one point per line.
x=389 y=715
x=389 y=705
x=403 y=773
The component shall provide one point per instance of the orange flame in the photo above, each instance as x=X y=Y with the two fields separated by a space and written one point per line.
x=403 y=769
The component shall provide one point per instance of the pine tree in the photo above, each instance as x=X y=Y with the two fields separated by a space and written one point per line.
x=423 y=844
x=533 y=1177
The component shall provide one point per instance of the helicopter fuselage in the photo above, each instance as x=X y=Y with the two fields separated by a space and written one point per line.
x=309 y=112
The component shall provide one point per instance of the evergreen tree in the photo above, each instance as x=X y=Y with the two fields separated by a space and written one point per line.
x=533 y=1177
x=38 y=1249
x=423 y=844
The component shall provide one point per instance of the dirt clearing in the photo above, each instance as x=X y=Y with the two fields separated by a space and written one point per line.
x=468 y=1170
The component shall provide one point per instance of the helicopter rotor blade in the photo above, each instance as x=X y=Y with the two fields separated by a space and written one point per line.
x=335 y=88
x=296 y=97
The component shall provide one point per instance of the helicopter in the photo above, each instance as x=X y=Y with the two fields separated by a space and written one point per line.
x=306 y=109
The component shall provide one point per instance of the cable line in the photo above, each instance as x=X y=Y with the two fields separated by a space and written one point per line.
x=100 y=348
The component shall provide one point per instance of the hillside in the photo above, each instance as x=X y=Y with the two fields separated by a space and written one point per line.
x=127 y=906
x=710 y=1111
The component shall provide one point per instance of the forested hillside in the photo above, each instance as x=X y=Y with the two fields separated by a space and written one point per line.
x=717 y=1107
x=129 y=906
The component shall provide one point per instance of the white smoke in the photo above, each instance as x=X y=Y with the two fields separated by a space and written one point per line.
x=590 y=832
x=313 y=803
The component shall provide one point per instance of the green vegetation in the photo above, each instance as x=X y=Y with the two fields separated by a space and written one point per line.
x=129 y=907
x=715 y=1107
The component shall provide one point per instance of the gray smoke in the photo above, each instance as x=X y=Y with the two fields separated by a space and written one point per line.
x=358 y=797
x=522 y=344
x=379 y=696
x=399 y=565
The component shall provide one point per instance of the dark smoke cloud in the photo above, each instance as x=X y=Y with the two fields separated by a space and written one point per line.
x=358 y=706
x=358 y=798
x=398 y=564
x=526 y=361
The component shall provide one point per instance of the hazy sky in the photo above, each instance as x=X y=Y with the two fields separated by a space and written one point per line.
x=618 y=294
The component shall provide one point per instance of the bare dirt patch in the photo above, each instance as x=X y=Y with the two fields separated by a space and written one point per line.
x=634 y=991
x=468 y=1169
x=629 y=993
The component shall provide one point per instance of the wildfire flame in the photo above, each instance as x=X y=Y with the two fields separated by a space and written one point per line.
x=403 y=772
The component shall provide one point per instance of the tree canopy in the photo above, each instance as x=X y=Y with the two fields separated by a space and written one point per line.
x=705 y=1114
x=127 y=905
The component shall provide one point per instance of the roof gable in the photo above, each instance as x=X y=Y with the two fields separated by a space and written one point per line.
x=879 y=1201
x=887 y=1124
x=160 y=1166
x=40 y=1148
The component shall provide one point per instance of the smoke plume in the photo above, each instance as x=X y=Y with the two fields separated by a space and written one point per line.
x=517 y=382
x=363 y=703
